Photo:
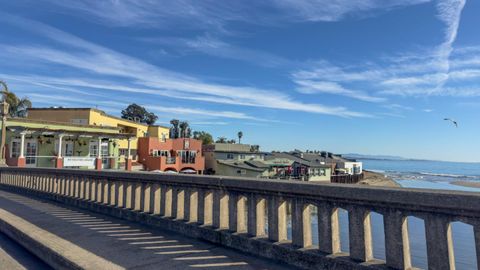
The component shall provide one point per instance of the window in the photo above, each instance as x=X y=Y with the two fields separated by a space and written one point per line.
x=93 y=149
x=80 y=121
x=229 y=156
x=15 y=149
x=242 y=171
x=242 y=156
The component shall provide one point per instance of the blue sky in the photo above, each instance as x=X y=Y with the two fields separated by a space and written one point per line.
x=372 y=77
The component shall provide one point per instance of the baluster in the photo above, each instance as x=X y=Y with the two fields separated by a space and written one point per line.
x=256 y=216
x=439 y=243
x=397 y=247
x=277 y=219
x=208 y=208
x=113 y=199
x=130 y=196
x=147 y=198
x=186 y=204
x=194 y=205
x=139 y=196
x=106 y=192
x=168 y=202
x=180 y=205
x=119 y=194
x=328 y=229
x=301 y=225
x=156 y=199
x=163 y=199
x=360 y=234
x=99 y=196
x=233 y=211
x=220 y=210
x=201 y=206
x=175 y=202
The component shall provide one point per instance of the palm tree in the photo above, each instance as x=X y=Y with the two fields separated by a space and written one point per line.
x=18 y=106
x=221 y=140
x=184 y=130
x=240 y=135
x=174 y=132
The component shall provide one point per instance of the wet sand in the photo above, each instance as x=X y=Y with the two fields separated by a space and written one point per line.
x=466 y=184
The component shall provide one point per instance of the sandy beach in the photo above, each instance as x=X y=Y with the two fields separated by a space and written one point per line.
x=466 y=184
x=377 y=179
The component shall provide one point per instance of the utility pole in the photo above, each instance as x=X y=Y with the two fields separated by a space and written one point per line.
x=4 y=113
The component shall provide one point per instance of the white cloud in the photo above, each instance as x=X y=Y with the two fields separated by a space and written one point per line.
x=111 y=66
x=211 y=14
x=212 y=46
x=313 y=87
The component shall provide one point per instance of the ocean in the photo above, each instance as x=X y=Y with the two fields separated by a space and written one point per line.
x=431 y=175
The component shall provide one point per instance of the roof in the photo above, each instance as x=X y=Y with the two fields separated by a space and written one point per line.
x=229 y=148
x=44 y=123
x=298 y=160
x=91 y=109
x=240 y=165
x=47 y=131
x=257 y=164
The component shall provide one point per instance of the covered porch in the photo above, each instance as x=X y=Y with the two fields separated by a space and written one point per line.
x=75 y=149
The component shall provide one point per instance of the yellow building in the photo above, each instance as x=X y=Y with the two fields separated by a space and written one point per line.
x=95 y=117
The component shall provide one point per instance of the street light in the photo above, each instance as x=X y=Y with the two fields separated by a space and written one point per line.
x=4 y=113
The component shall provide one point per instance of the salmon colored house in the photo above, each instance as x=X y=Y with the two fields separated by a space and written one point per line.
x=183 y=155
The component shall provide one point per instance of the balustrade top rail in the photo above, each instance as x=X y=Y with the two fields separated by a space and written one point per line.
x=456 y=203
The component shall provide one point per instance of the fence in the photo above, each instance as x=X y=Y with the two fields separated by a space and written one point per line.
x=346 y=178
x=250 y=214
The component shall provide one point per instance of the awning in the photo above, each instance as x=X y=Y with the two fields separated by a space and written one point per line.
x=188 y=171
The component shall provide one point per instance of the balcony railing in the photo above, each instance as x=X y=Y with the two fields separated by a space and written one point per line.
x=170 y=160
x=251 y=215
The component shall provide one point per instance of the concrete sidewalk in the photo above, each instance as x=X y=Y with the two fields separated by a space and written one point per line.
x=15 y=257
x=127 y=244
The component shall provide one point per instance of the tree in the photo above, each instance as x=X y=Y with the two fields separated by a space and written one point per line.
x=232 y=141
x=185 y=131
x=203 y=136
x=174 y=130
x=221 y=140
x=138 y=113
x=18 y=107
x=240 y=135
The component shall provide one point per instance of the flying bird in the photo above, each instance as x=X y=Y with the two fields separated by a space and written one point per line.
x=451 y=120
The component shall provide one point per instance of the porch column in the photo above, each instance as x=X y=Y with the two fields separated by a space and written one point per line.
x=98 y=160
x=21 y=158
x=58 y=159
x=128 y=161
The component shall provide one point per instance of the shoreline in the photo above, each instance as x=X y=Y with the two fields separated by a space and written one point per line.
x=378 y=179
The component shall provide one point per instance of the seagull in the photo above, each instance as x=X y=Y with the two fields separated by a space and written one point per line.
x=451 y=120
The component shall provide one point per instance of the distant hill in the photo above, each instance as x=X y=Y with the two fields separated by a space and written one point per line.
x=376 y=157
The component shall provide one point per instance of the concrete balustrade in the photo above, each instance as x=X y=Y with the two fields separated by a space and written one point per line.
x=253 y=215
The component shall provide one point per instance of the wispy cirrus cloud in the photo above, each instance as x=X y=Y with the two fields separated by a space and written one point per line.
x=309 y=86
x=216 y=14
x=209 y=45
x=110 y=65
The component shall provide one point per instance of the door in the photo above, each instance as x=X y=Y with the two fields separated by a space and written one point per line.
x=67 y=150
x=30 y=153
x=105 y=155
